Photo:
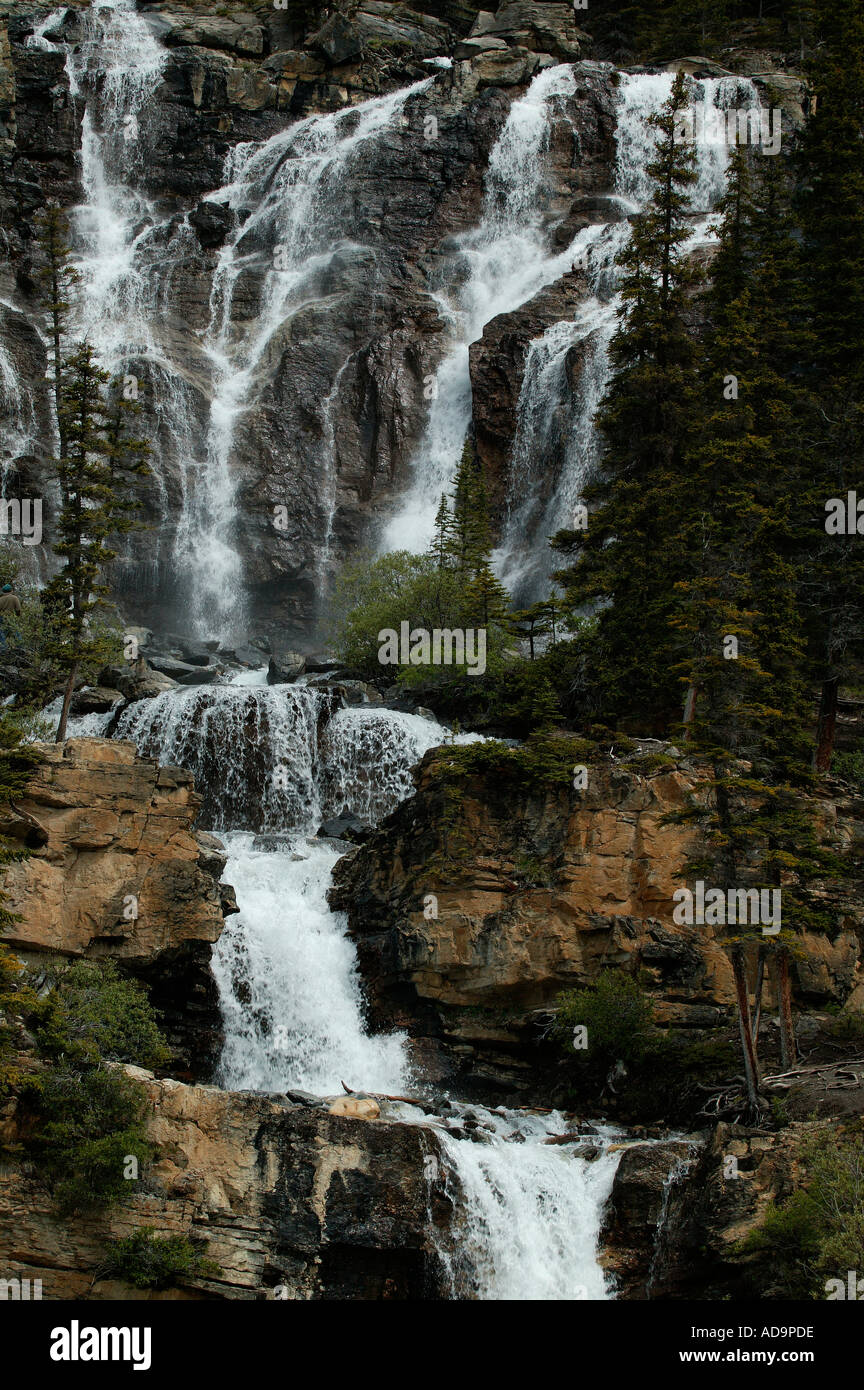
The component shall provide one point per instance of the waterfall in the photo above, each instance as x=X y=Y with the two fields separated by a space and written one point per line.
x=274 y=760
x=499 y=265
x=531 y=1210
x=296 y=189
x=556 y=448
x=296 y=210
x=287 y=975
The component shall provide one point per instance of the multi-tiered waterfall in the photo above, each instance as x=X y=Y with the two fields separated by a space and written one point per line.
x=271 y=763
x=292 y=1001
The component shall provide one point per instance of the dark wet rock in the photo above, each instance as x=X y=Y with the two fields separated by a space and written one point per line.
x=95 y=699
x=343 y=827
x=284 y=667
x=184 y=672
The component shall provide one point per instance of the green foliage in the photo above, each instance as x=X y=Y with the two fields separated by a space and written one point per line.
x=618 y=1019
x=818 y=1233
x=543 y=761
x=95 y=1014
x=629 y=559
x=850 y=766
x=89 y=1121
x=16 y=999
x=17 y=761
x=149 y=1261
x=97 y=465
x=87 y=1115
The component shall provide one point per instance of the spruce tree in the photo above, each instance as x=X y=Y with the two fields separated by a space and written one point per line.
x=631 y=556
x=97 y=464
x=96 y=473
x=831 y=207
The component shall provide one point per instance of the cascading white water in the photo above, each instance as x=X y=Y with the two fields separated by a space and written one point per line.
x=369 y=755
x=555 y=422
x=532 y=1210
x=286 y=970
x=294 y=194
x=497 y=267
x=267 y=759
x=296 y=187
x=252 y=750
x=291 y=997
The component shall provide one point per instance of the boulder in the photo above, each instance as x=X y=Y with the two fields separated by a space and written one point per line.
x=284 y=667
x=184 y=672
x=343 y=827
x=211 y=223
x=356 y=1108
x=95 y=699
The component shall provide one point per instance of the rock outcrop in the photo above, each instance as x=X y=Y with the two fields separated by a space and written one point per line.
x=289 y=1200
x=680 y=1214
x=534 y=890
x=116 y=870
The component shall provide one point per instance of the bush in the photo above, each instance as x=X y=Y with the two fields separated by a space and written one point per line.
x=818 y=1234
x=850 y=766
x=371 y=595
x=95 y=1014
x=544 y=760
x=88 y=1116
x=617 y=1016
x=148 y=1261
x=88 y=1124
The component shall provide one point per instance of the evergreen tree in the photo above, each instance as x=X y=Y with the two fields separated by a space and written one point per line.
x=97 y=464
x=631 y=556
x=747 y=705
x=831 y=206
x=17 y=760
x=95 y=473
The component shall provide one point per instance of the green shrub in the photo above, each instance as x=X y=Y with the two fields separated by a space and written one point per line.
x=148 y=1261
x=818 y=1233
x=846 y=1027
x=544 y=760
x=850 y=766
x=617 y=1016
x=89 y=1122
x=87 y=1115
x=96 y=1014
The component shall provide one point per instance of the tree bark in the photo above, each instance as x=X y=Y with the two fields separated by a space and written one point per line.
x=67 y=700
x=827 y=726
x=783 y=985
x=689 y=709
x=748 y=1047
x=757 y=1010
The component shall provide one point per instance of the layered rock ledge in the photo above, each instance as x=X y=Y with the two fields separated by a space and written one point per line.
x=289 y=1200
x=116 y=869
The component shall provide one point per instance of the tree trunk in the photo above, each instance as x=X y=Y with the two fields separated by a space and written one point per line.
x=783 y=985
x=689 y=709
x=760 y=980
x=67 y=700
x=827 y=724
x=748 y=1047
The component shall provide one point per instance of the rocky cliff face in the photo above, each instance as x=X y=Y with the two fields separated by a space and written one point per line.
x=290 y=1201
x=473 y=910
x=340 y=398
x=115 y=869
